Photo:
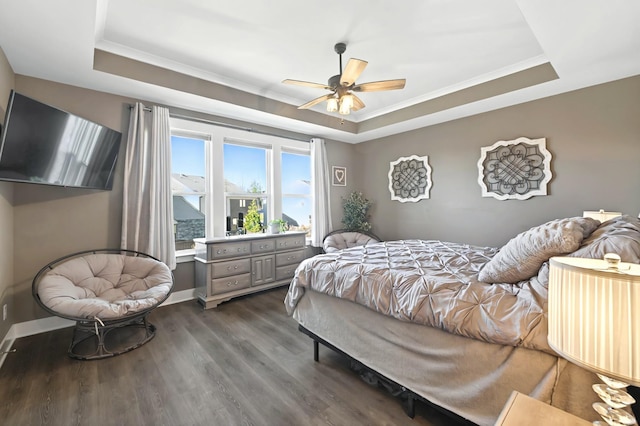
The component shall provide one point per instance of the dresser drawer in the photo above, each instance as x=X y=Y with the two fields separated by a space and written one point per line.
x=285 y=272
x=289 y=243
x=289 y=258
x=263 y=246
x=224 y=285
x=224 y=250
x=230 y=267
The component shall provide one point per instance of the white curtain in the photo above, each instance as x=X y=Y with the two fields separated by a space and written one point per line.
x=147 y=208
x=321 y=216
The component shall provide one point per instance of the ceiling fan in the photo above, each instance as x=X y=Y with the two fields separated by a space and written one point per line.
x=342 y=86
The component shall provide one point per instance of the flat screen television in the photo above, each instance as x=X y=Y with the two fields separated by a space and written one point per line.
x=45 y=145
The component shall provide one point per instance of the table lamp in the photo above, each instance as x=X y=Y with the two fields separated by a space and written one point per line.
x=600 y=215
x=594 y=322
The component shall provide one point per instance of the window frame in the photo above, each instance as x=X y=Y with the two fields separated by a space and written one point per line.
x=215 y=136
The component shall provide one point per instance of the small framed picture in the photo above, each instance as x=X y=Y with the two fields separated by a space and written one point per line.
x=339 y=176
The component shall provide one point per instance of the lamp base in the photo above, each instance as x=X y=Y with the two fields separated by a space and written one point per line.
x=616 y=399
x=634 y=391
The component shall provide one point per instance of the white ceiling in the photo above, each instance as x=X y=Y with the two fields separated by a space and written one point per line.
x=439 y=46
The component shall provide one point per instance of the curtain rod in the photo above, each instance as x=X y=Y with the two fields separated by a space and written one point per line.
x=231 y=126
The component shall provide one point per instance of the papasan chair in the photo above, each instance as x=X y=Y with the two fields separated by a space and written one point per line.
x=108 y=293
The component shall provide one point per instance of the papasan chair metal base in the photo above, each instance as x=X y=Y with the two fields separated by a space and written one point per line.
x=95 y=340
x=108 y=293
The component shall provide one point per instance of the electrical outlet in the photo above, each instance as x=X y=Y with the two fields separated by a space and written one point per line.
x=4 y=312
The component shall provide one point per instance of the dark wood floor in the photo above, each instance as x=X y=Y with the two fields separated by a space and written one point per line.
x=243 y=363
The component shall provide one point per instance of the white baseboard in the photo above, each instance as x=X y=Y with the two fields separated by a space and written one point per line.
x=43 y=325
x=180 y=296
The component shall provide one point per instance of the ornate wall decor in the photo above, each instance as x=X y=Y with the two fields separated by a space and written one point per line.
x=410 y=179
x=515 y=170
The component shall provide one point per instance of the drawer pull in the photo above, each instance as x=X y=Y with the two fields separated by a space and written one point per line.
x=234 y=267
x=232 y=284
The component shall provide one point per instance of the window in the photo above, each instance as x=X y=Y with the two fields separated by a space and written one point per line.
x=296 y=191
x=219 y=174
x=245 y=184
x=188 y=189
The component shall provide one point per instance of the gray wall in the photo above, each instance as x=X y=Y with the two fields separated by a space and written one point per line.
x=6 y=212
x=593 y=135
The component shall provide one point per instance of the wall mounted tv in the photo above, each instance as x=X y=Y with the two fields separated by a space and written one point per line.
x=44 y=145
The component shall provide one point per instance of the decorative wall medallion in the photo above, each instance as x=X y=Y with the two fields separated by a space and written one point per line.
x=339 y=176
x=515 y=170
x=410 y=178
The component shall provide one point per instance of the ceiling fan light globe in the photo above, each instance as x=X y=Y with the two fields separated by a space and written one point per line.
x=347 y=101
x=332 y=105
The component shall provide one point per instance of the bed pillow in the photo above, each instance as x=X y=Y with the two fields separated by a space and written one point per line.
x=620 y=235
x=523 y=255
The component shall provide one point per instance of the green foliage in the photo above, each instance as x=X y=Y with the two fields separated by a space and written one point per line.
x=281 y=224
x=255 y=188
x=252 y=219
x=355 y=216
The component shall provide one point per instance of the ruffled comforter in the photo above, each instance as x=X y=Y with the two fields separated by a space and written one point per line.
x=433 y=283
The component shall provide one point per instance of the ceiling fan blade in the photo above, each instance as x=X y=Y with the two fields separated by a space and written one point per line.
x=357 y=103
x=315 y=101
x=352 y=71
x=306 y=84
x=376 y=86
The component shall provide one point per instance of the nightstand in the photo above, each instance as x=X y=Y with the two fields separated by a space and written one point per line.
x=522 y=410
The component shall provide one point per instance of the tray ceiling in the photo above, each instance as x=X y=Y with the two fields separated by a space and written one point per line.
x=459 y=57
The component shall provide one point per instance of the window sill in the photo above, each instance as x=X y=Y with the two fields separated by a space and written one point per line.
x=183 y=256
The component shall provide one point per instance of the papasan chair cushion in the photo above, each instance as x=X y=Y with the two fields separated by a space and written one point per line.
x=105 y=286
x=339 y=240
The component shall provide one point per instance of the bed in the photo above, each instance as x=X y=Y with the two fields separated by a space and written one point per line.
x=457 y=325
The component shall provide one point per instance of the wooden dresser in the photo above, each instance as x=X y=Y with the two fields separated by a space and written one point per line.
x=228 y=267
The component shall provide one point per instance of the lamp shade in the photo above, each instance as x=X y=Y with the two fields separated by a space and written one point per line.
x=594 y=315
x=600 y=215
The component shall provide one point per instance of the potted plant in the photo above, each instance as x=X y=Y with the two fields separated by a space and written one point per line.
x=356 y=208
x=277 y=226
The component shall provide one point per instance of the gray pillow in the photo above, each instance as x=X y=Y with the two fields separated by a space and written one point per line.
x=620 y=235
x=523 y=255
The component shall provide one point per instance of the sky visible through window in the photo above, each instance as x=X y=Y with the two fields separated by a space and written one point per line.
x=296 y=180
x=187 y=156
x=246 y=165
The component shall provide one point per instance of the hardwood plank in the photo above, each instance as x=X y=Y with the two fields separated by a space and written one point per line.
x=243 y=363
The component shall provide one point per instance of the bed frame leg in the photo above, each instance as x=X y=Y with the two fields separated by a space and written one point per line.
x=410 y=409
x=316 y=350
